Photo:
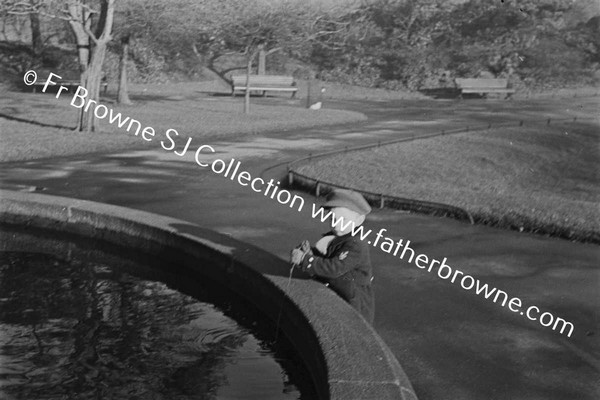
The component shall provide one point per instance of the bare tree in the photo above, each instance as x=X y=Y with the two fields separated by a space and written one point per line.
x=270 y=27
x=258 y=31
x=91 y=74
x=82 y=16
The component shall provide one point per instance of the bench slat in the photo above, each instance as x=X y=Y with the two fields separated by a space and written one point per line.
x=264 y=83
x=487 y=90
x=291 y=89
x=266 y=79
x=481 y=83
x=483 y=86
x=240 y=84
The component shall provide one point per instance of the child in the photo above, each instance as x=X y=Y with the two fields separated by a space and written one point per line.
x=339 y=259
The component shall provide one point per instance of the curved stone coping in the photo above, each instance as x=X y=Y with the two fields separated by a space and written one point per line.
x=346 y=357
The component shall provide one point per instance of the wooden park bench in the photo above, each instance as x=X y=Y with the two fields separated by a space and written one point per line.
x=264 y=83
x=483 y=86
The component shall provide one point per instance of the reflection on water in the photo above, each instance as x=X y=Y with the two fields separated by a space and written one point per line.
x=84 y=330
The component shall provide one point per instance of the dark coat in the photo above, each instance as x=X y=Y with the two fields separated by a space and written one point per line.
x=346 y=268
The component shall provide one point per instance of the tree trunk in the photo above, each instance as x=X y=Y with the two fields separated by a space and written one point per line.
x=262 y=59
x=123 y=93
x=36 y=33
x=247 y=95
x=80 y=22
x=262 y=62
x=92 y=81
x=91 y=62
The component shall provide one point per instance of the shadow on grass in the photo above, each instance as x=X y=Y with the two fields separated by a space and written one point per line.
x=37 y=123
x=441 y=93
x=448 y=93
x=147 y=98
x=253 y=94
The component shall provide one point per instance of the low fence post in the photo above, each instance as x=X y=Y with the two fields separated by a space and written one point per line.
x=318 y=189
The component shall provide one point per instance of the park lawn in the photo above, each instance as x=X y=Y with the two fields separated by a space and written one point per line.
x=529 y=178
x=25 y=141
x=49 y=121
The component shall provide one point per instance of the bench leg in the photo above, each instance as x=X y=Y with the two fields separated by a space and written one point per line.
x=293 y=95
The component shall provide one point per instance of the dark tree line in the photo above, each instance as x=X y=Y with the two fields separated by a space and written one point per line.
x=412 y=43
x=395 y=44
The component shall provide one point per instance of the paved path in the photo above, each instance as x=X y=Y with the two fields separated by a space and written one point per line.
x=452 y=343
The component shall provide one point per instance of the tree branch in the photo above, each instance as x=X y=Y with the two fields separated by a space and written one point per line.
x=272 y=51
x=91 y=34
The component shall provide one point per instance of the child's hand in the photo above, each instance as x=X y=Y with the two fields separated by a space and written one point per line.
x=305 y=246
x=296 y=257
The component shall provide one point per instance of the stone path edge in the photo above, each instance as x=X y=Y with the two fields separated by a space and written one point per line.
x=346 y=357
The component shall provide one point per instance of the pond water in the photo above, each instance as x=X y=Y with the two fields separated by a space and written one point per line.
x=83 y=328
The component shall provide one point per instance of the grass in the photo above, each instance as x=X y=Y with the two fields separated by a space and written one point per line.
x=529 y=178
x=24 y=141
x=189 y=108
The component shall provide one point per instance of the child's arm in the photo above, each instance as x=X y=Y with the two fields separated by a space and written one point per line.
x=335 y=266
